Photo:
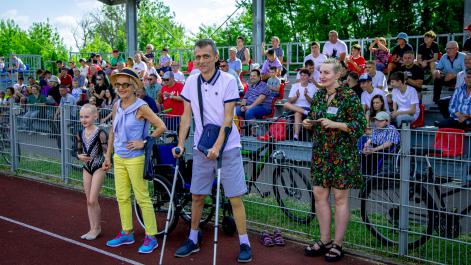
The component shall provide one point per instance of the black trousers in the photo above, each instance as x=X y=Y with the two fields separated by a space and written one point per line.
x=438 y=84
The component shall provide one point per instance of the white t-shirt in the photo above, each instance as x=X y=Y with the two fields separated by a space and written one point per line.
x=84 y=71
x=150 y=71
x=139 y=67
x=366 y=98
x=380 y=80
x=316 y=75
x=405 y=101
x=221 y=88
x=339 y=46
x=302 y=101
x=179 y=77
x=318 y=61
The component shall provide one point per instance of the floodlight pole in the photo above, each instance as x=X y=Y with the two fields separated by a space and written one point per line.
x=131 y=26
x=258 y=27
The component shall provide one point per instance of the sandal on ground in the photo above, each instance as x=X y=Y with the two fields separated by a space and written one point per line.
x=310 y=251
x=278 y=238
x=266 y=239
x=335 y=253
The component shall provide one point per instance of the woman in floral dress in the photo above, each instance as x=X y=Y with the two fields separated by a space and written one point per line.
x=337 y=121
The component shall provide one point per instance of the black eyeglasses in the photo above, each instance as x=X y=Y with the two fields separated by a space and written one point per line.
x=165 y=79
x=123 y=85
x=99 y=79
x=223 y=65
x=150 y=79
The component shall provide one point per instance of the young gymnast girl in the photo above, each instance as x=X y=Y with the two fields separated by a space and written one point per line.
x=91 y=147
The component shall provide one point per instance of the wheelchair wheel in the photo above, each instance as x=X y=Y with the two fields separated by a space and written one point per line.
x=208 y=209
x=159 y=190
x=228 y=225
x=293 y=192
x=380 y=206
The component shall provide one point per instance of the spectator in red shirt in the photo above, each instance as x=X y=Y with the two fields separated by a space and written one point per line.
x=66 y=79
x=170 y=97
x=356 y=62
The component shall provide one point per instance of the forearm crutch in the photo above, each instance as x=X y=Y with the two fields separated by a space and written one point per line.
x=227 y=130
x=170 y=208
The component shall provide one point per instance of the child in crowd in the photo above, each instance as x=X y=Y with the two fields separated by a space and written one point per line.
x=385 y=139
x=274 y=82
x=300 y=99
x=91 y=147
x=76 y=90
x=377 y=105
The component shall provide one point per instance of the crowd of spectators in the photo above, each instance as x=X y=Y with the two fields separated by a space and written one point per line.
x=393 y=80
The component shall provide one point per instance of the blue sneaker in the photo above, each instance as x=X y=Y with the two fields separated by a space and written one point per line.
x=245 y=254
x=121 y=239
x=150 y=243
x=187 y=249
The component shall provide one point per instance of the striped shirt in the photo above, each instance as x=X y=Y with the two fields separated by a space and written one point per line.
x=460 y=102
x=386 y=134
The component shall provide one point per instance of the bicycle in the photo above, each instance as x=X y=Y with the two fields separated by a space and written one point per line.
x=292 y=189
x=426 y=214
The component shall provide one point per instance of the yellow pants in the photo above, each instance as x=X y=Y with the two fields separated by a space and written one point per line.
x=128 y=172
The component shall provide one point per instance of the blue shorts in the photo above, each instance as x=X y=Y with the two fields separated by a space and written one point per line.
x=232 y=174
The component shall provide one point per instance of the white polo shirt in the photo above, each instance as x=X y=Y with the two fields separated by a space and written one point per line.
x=406 y=100
x=339 y=46
x=302 y=101
x=366 y=98
x=221 y=88
x=318 y=61
x=380 y=80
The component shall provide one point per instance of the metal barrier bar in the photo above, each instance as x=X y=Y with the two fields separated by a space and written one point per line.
x=404 y=188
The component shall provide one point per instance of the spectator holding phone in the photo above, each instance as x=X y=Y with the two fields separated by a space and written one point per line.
x=337 y=121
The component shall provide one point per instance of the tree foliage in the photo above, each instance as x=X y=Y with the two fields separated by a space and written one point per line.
x=41 y=38
x=304 y=20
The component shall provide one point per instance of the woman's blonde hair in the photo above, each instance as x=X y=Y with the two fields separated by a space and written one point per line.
x=335 y=64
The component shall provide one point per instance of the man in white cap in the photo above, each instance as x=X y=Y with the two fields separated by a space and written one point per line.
x=234 y=62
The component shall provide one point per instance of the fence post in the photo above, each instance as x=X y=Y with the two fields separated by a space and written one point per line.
x=288 y=56
x=404 y=188
x=63 y=132
x=13 y=140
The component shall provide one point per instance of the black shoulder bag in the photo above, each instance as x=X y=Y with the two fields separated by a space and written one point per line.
x=210 y=131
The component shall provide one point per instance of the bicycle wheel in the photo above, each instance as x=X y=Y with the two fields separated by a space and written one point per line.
x=159 y=190
x=380 y=204
x=208 y=209
x=293 y=192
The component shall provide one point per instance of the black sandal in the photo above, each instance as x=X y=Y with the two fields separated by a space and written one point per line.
x=335 y=253
x=323 y=248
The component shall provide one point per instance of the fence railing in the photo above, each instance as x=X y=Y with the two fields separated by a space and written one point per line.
x=414 y=203
x=294 y=52
x=32 y=62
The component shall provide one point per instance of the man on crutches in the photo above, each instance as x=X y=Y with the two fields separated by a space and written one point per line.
x=211 y=97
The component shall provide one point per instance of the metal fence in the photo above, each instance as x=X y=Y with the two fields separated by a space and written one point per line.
x=294 y=52
x=414 y=203
x=32 y=62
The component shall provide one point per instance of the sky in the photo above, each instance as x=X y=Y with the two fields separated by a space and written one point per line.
x=65 y=14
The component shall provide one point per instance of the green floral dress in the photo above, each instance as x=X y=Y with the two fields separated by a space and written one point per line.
x=335 y=159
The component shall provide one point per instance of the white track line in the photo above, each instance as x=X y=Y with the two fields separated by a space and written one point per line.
x=71 y=241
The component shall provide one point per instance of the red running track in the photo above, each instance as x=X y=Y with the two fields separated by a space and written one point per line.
x=42 y=224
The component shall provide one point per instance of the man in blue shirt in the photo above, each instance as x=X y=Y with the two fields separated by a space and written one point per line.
x=460 y=106
x=447 y=68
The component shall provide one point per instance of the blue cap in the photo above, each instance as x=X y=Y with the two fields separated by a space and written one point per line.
x=402 y=35
x=364 y=77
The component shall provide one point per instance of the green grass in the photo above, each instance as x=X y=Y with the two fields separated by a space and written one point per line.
x=264 y=213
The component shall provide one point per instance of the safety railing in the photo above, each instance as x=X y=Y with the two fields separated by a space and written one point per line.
x=414 y=203
x=31 y=63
